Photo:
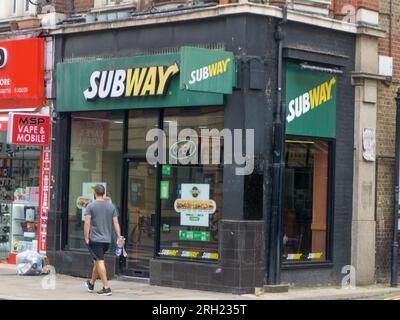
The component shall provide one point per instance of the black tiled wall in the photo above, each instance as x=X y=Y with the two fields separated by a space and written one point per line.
x=240 y=269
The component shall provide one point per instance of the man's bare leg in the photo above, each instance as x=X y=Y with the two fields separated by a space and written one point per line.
x=101 y=270
x=95 y=275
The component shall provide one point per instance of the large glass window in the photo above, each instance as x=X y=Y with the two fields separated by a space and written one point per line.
x=95 y=157
x=191 y=194
x=305 y=219
x=139 y=124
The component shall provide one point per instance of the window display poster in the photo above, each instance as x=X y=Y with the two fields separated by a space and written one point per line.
x=195 y=191
x=195 y=205
x=164 y=190
x=195 y=219
x=88 y=195
x=93 y=134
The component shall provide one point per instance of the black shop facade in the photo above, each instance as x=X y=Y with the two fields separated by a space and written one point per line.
x=182 y=141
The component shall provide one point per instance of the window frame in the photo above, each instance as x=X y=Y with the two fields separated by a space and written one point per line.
x=14 y=8
x=330 y=208
x=67 y=177
x=26 y=6
x=122 y=217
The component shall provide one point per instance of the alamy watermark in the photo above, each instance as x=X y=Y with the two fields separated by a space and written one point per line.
x=49 y=282
x=189 y=147
x=349 y=280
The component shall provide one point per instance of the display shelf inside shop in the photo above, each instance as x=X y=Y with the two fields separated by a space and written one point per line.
x=25 y=221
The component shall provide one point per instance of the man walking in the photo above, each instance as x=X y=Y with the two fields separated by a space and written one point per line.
x=100 y=216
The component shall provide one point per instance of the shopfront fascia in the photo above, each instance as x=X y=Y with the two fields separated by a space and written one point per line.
x=168 y=210
x=24 y=156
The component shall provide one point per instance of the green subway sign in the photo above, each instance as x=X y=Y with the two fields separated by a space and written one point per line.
x=310 y=102
x=156 y=81
x=207 y=70
x=194 y=235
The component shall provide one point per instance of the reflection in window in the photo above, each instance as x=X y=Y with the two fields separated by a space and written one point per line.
x=187 y=230
x=140 y=122
x=305 y=201
x=95 y=157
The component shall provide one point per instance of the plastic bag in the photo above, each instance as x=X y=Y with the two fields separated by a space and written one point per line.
x=29 y=263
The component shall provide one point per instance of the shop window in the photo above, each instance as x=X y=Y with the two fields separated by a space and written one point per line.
x=191 y=194
x=19 y=197
x=306 y=201
x=95 y=157
x=139 y=124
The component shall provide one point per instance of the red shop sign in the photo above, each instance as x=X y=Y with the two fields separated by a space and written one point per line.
x=3 y=122
x=22 y=73
x=28 y=129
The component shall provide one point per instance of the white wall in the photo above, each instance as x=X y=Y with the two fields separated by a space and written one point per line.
x=6 y=9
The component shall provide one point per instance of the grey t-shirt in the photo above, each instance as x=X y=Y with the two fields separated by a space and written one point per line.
x=102 y=214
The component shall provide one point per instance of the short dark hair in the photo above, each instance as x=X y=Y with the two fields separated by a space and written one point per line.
x=99 y=190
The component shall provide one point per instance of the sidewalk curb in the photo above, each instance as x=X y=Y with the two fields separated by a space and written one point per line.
x=360 y=295
x=341 y=296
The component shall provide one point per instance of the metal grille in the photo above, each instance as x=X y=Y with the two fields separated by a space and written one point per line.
x=142 y=52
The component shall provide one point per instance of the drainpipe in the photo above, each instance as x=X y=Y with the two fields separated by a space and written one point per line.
x=278 y=165
x=395 y=243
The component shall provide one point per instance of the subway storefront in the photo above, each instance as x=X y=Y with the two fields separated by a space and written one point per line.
x=148 y=129
x=156 y=125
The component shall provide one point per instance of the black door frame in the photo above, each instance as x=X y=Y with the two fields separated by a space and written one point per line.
x=126 y=159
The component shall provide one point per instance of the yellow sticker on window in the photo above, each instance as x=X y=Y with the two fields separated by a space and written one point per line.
x=165 y=252
x=190 y=254
x=294 y=256
x=316 y=255
x=209 y=255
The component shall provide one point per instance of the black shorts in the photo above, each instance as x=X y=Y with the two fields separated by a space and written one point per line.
x=98 y=249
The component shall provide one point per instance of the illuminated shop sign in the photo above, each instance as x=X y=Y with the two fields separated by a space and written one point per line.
x=22 y=73
x=311 y=102
x=132 y=82
x=189 y=78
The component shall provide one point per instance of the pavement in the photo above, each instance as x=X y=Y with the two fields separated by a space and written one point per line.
x=63 y=287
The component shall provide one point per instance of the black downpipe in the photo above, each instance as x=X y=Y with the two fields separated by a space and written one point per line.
x=278 y=165
x=395 y=243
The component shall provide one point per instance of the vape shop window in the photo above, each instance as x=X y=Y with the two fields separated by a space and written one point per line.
x=95 y=157
x=305 y=215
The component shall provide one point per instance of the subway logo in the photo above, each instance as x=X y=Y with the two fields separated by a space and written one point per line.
x=210 y=71
x=133 y=82
x=311 y=100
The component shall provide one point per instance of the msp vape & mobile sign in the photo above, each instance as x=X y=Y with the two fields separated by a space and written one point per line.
x=28 y=129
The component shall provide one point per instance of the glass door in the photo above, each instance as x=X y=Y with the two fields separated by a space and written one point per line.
x=140 y=216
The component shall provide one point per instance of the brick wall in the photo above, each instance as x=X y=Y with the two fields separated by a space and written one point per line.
x=66 y=6
x=385 y=150
x=83 y=5
x=61 y=6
